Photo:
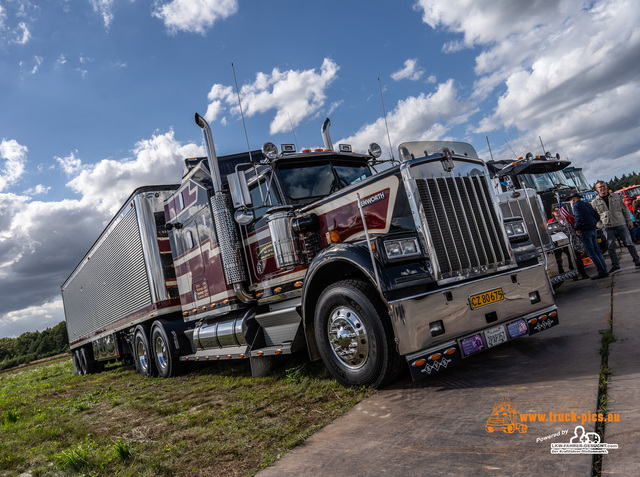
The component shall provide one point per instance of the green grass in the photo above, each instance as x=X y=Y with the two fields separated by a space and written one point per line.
x=215 y=420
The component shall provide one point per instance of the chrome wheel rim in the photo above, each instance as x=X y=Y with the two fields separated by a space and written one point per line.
x=142 y=356
x=161 y=352
x=348 y=337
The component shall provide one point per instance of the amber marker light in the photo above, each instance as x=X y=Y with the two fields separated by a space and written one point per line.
x=260 y=353
x=418 y=363
x=277 y=290
x=259 y=294
x=553 y=314
x=333 y=236
x=217 y=357
x=435 y=356
x=543 y=317
x=533 y=321
x=228 y=356
x=278 y=351
x=450 y=351
x=297 y=284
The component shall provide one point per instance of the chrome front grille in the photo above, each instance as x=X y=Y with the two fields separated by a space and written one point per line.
x=465 y=231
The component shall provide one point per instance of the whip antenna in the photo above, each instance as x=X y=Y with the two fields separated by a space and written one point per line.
x=543 y=150
x=385 y=121
x=293 y=131
x=514 y=154
x=255 y=170
x=241 y=113
x=491 y=153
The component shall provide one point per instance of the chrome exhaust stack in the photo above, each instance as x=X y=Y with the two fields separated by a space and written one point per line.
x=230 y=246
x=326 y=137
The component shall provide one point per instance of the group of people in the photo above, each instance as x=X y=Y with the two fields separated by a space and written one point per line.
x=608 y=209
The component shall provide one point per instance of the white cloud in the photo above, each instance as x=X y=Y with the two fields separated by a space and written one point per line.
x=41 y=242
x=37 y=190
x=71 y=165
x=422 y=117
x=157 y=161
x=32 y=318
x=61 y=60
x=194 y=16
x=104 y=8
x=565 y=70
x=293 y=94
x=14 y=156
x=38 y=61
x=410 y=71
x=22 y=34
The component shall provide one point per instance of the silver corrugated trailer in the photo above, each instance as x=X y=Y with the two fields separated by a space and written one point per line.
x=125 y=279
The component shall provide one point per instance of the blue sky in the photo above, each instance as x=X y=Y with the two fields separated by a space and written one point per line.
x=97 y=97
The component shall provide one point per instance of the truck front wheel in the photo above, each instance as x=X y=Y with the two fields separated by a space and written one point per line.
x=164 y=353
x=142 y=351
x=354 y=335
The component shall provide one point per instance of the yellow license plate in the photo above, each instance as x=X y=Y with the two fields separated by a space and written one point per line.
x=486 y=298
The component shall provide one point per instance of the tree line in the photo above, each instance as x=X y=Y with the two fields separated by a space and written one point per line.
x=31 y=346
x=625 y=181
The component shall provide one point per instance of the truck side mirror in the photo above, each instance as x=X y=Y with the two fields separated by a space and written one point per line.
x=241 y=198
x=239 y=189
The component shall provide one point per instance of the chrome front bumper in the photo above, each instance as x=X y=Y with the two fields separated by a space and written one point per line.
x=415 y=316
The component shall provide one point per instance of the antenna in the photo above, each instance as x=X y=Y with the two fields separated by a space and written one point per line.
x=385 y=121
x=293 y=131
x=491 y=153
x=514 y=154
x=544 y=152
x=255 y=170
x=241 y=113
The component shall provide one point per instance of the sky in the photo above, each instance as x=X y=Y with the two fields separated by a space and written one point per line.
x=97 y=97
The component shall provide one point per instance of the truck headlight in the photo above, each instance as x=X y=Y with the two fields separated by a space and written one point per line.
x=515 y=228
x=401 y=248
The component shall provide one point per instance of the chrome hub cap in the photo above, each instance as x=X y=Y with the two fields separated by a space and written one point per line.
x=348 y=337
x=161 y=353
x=142 y=356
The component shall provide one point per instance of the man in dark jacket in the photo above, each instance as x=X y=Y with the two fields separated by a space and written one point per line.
x=586 y=226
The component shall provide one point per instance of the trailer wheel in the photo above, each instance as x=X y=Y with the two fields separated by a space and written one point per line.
x=354 y=335
x=75 y=359
x=142 y=352
x=87 y=363
x=164 y=353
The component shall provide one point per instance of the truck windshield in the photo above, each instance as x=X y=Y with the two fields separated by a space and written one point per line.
x=576 y=179
x=303 y=181
x=541 y=182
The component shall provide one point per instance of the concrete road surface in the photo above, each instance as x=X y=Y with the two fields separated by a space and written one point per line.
x=438 y=426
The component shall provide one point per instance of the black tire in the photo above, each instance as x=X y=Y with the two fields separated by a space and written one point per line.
x=145 y=363
x=75 y=359
x=354 y=335
x=164 y=352
x=88 y=363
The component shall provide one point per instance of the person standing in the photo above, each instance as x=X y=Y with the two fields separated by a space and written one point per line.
x=586 y=227
x=567 y=226
x=615 y=218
